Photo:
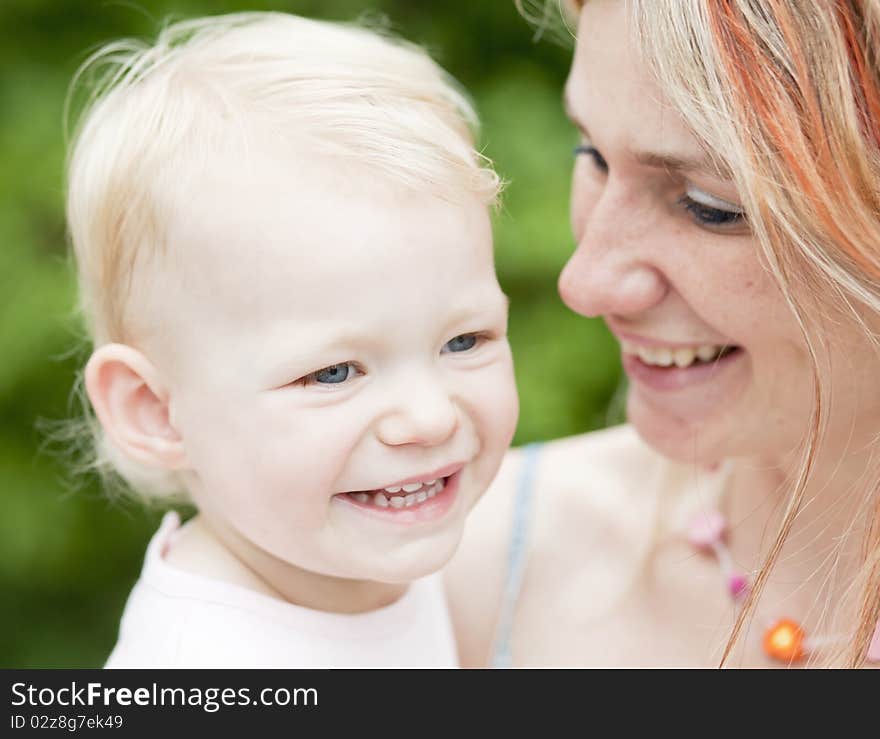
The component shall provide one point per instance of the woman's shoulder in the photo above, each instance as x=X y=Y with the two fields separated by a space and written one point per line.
x=613 y=461
x=610 y=473
x=582 y=491
x=609 y=452
x=598 y=494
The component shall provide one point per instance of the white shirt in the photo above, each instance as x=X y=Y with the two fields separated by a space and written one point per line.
x=178 y=619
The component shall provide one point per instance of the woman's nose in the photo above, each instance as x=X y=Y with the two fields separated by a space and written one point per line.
x=422 y=414
x=611 y=271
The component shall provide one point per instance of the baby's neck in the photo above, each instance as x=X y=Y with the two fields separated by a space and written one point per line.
x=209 y=551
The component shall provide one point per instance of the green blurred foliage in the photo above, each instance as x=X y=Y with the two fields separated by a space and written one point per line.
x=68 y=554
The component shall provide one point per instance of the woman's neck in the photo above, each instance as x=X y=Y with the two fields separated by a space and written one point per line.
x=820 y=554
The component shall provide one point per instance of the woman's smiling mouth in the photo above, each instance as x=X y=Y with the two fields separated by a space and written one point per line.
x=681 y=357
x=676 y=366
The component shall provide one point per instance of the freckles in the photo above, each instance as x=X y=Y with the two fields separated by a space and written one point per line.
x=763 y=297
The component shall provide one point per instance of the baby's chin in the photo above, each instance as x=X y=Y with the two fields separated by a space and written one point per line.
x=410 y=563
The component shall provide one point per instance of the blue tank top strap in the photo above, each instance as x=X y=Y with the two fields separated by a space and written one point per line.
x=516 y=556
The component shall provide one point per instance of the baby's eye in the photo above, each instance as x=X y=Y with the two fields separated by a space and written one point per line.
x=462 y=343
x=335 y=374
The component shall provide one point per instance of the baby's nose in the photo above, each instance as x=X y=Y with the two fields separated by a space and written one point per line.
x=425 y=415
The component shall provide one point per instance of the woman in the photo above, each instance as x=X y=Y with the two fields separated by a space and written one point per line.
x=725 y=206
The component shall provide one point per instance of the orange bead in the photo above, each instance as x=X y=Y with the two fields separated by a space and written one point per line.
x=785 y=641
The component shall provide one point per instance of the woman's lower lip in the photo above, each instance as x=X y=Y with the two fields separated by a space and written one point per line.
x=429 y=510
x=678 y=378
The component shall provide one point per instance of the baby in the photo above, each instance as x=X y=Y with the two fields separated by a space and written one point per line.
x=284 y=252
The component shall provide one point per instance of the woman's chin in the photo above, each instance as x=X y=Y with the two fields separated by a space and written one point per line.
x=682 y=439
x=688 y=414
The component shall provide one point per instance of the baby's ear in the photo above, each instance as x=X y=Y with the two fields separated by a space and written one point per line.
x=131 y=403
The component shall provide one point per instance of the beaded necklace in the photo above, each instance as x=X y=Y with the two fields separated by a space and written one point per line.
x=784 y=640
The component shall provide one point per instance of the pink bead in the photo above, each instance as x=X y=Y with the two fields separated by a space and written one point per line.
x=738 y=585
x=874 y=648
x=706 y=529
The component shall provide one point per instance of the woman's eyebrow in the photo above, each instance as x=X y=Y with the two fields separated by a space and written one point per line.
x=669 y=162
x=676 y=163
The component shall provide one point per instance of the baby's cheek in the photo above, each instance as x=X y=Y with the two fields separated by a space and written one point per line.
x=496 y=406
x=281 y=505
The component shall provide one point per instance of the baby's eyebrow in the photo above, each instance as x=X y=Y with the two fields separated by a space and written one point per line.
x=480 y=306
x=315 y=348
x=506 y=300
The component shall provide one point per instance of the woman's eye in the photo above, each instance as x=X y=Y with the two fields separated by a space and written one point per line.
x=707 y=215
x=593 y=153
x=462 y=343
x=332 y=375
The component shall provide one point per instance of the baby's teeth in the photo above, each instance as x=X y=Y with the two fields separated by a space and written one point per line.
x=646 y=355
x=707 y=352
x=393 y=490
x=417 y=493
x=683 y=357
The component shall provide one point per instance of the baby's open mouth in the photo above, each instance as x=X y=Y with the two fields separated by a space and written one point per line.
x=680 y=357
x=405 y=496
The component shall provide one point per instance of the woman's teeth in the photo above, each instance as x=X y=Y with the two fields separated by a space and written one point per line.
x=681 y=357
x=404 y=496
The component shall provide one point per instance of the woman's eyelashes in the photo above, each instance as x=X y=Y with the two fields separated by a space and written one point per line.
x=592 y=152
x=711 y=211
x=707 y=216
x=702 y=208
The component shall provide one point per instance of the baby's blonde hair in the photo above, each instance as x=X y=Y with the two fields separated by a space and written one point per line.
x=156 y=113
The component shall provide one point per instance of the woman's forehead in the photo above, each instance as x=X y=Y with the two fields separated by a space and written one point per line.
x=612 y=98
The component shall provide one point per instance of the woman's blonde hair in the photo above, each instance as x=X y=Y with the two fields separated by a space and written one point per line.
x=786 y=95
x=155 y=113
